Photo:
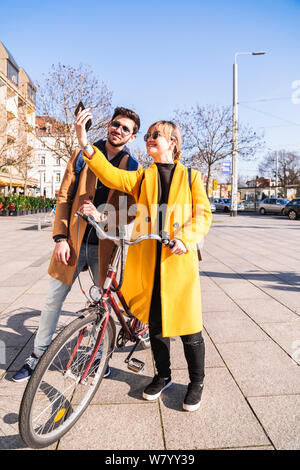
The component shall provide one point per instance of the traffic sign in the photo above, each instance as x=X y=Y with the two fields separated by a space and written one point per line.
x=226 y=168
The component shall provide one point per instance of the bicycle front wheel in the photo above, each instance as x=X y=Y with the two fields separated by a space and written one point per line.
x=56 y=396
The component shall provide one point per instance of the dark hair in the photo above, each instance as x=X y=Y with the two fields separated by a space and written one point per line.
x=119 y=111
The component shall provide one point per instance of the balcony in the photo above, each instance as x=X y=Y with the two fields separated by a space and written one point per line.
x=12 y=108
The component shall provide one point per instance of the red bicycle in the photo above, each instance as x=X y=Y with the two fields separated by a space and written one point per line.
x=70 y=372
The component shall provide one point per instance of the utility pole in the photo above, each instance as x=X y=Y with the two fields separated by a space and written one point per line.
x=234 y=175
x=276 y=176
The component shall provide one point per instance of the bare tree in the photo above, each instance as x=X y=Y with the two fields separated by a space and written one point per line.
x=288 y=167
x=57 y=98
x=143 y=158
x=207 y=137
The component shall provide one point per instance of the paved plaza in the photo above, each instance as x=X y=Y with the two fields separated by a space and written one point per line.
x=251 y=309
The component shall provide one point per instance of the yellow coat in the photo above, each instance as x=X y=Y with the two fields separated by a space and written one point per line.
x=180 y=283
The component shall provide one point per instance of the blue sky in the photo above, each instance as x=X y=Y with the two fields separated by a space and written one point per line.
x=161 y=55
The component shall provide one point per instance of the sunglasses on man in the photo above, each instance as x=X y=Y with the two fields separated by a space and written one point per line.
x=117 y=124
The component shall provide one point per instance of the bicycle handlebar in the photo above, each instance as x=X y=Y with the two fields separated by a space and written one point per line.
x=163 y=239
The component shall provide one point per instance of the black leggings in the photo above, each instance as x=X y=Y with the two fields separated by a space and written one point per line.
x=194 y=351
x=194 y=348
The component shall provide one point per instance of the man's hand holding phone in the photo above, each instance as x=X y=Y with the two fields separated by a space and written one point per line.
x=82 y=123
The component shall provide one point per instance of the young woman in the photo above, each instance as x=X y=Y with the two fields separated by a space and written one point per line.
x=161 y=285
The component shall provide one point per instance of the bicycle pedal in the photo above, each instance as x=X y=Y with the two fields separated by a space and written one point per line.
x=135 y=365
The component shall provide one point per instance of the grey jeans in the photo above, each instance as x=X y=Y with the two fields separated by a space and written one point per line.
x=57 y=294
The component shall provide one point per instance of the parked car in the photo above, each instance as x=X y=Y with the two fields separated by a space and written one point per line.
x=224 y=203
x=272 y=205
x=212 y=205
x=292 y=209
x=248 y=204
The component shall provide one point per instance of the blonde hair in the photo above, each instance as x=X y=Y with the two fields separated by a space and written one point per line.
x=171 y=131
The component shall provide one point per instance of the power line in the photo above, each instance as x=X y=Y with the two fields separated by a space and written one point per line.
x=272 y=115
x=266 y=99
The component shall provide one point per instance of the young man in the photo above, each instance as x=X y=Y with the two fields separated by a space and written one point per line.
x=81 y=190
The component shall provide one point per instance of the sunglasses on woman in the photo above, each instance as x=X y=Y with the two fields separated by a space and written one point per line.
x=154 y=136
x=124 y=129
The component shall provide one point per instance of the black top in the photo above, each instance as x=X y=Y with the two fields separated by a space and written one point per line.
x=165 y=173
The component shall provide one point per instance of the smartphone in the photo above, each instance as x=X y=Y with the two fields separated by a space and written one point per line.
x=89 y=122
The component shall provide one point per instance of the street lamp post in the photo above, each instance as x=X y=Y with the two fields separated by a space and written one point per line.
x=234 y=171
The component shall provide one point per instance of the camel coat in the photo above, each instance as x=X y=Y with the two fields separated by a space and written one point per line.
x=66 y=223
x=188 y=218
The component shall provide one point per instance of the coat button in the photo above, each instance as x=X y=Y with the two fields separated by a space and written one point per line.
x=148 y=219
x=176 y=225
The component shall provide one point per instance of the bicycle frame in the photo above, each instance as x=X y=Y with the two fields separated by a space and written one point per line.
x=107 y=295
x=106 y=300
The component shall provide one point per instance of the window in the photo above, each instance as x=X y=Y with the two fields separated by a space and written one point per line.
x=31 y=92
x=43 y=160
x=57 y=177
x=12 y=73
x=57 y=160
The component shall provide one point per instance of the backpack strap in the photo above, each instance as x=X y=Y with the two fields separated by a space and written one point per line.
x=79 y=165
x=190 y=182
x=139 y=192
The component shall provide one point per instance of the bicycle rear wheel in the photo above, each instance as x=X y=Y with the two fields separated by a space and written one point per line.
x=55 y=396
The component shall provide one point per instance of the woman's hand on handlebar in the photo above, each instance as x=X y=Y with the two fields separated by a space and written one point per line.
x=178 y=247
x=89 y=209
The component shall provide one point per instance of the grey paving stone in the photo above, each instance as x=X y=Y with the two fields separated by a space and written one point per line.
x=25 y=278
x=270 y=310
x=9 y=294
x=123 y=385
x=116 y=427
x=280 y=417
x=3 y=307
x=10 y=400
x=261 y=368
x=218 y=303
x=224 y=420
x=290 y=298
x=287 y=335
x=225 y=328
x=244 y=290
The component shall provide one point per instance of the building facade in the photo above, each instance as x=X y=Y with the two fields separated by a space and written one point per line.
x=17 y=126
x=49 y=165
